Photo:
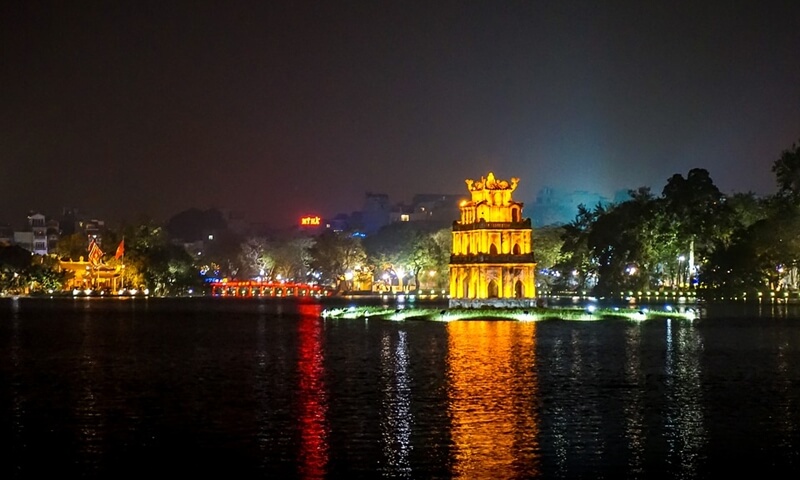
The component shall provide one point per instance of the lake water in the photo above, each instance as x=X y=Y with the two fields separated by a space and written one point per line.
x=249 y=388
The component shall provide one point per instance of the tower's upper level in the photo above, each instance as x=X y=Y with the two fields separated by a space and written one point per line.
x=491 y=201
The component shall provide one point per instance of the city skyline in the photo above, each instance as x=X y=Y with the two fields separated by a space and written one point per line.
x=283 y=109
x=550 y=206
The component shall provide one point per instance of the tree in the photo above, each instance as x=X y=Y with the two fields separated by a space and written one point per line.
x=193 y=225
x=547 y=244
x=14 y=263
x=140 y=241
x=405 y=247
x=224 y=251
x=45 y=275
x=732 y=269
x=333 y=254
x=72 y=247
x=292 y=258
x=152 y=262
x=256 y=258
x=423 y=256
x=441 y=267
x=747 y=209
x=575 y=253
x=698 y=214
x=170 y=270
x=787 y=173
x=618 y=242
x=759 y=257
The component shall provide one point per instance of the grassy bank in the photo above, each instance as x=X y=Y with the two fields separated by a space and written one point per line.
x=530 y=314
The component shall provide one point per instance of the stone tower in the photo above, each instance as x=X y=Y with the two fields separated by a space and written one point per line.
x=492 y=261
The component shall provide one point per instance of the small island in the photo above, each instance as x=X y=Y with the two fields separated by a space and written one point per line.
x=589 y=313
x=492 y=270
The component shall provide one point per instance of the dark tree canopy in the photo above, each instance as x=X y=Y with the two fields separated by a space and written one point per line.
x=193 y=224
x=14 y=257
x=787 y=172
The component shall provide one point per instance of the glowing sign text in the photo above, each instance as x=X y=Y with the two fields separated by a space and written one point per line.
x=310 y=220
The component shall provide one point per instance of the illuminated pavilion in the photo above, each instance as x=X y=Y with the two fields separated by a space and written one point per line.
x=86 y=275
x=492 y=261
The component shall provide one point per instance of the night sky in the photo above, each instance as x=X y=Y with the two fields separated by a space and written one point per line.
x=279 y=109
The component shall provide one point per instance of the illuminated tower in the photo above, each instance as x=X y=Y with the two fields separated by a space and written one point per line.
x=492 y=261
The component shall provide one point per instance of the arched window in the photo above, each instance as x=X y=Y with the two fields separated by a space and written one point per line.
x=519 y=289
x=515 y=215
x=493 y=249
x=492 y=289
x=516 y=250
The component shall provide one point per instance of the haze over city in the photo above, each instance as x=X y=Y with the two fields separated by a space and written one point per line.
x=280 y=109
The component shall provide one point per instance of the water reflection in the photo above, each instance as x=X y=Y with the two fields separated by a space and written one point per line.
x=787 y=407
x=684 y=423
x=88 y=414
x=558 y=410
x=574 y=406
x=493 y=391
x=396 y=406
x=312 y=395
x=88 y=392
x=635 y=433
x=775 y=310
x=15 y=384
x=262 y=380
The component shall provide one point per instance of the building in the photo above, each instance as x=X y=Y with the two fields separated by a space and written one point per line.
x=374 y=215
x=74 y=221
x=68 y=222
x=86 y=276
x=92 y=274
x=434 y=208
x=53 y=235
x=492 y=262
x=34 y=237
x=6 y=236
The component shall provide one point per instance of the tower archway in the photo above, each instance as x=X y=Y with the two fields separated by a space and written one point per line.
x=492 y=290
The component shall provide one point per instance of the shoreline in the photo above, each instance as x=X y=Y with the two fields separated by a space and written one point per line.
x=589 y=313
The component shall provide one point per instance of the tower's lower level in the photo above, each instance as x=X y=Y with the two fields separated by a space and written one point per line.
x=493 y=281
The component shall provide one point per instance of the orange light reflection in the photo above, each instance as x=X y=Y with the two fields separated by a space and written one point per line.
x=492 y=398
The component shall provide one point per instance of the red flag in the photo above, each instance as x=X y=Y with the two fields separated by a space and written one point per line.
x=95 y=254
x=120 y=249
